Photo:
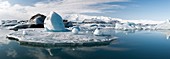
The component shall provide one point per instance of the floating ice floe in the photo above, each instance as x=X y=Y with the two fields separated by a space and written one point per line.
x=59 y=38
x=56 y=34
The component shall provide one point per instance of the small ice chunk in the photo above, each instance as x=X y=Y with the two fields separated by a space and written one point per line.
x=75 y=31
x=97 y=32
x=24 y=33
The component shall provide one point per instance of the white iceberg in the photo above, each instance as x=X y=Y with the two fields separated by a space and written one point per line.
x=125 y=26
x=75 y=31
x=54 y=23
x=97 y=32
x=163 y=26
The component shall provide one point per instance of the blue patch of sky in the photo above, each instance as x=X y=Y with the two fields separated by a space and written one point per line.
x=117 y=3
x=110 y=14
x=138 y=9
x=145 y=9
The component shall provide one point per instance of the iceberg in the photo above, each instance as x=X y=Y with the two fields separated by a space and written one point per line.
x=37 y=19
x=97 y=32
x=55 y=34
x=75 y=30
x=88 y=26
x=118 y=26
x=163 y=26
x=54 y=23
x=125 y=26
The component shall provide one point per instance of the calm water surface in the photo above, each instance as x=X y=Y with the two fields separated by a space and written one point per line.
x=129 y=45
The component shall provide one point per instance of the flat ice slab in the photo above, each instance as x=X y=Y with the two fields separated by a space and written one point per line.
x=59 y=38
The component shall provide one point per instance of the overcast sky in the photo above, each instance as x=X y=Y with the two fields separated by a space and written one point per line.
x=125 y=9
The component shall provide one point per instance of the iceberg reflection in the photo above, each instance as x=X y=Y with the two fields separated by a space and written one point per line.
x=76 y=52
x=166 y=32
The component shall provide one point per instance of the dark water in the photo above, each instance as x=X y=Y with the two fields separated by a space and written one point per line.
x=129 y=45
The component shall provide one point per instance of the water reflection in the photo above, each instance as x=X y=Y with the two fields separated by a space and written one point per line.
x=49 y=51
x=70 y=53
x=39 y=54
x=76 y=52
x=3 y=40
x=3 y=34
x=15 y=50
x=166 y=32
x=11 y=53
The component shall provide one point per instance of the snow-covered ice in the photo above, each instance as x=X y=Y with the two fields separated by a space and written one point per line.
x=163 y=26
x=37 y=36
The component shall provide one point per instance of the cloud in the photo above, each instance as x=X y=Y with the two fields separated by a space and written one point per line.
x=18 y=11
x=7 y=11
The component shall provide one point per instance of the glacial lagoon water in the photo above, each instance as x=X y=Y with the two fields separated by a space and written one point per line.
x=129 y=45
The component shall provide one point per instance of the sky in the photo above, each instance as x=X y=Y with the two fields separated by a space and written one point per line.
x=125 y=9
